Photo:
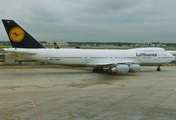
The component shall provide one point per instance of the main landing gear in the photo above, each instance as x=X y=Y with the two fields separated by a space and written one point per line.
x=98 y=70
x=158 y=68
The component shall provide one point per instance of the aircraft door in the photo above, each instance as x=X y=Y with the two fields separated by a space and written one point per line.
x=159 y=55
x=111 y=57
x=46 y=58
x=159 y=58
x=138 y=57
x=86 y=58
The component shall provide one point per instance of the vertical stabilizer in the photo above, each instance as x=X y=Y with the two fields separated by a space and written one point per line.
x=19 y=38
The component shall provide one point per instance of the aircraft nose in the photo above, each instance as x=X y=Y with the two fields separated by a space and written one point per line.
x=170 y=56
x=173 y=57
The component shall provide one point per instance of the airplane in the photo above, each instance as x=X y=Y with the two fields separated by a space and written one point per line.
x=104 y=60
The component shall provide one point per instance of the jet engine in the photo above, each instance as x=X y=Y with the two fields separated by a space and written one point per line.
x=134 y=67
x=119 y=69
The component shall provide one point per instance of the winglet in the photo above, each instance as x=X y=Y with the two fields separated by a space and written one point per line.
x=19 y=38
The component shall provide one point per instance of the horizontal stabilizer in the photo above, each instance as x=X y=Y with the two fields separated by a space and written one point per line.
x=18 y=52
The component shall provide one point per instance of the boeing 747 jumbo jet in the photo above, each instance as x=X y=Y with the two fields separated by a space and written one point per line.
x=111 y=61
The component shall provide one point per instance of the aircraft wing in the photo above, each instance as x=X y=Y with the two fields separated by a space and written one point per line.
x=18 y=52
x=108 y=63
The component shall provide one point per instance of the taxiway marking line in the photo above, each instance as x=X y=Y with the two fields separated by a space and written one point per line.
x=36 y=108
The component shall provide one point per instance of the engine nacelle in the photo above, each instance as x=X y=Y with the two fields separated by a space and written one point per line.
x=119 y=69
x=134 y=67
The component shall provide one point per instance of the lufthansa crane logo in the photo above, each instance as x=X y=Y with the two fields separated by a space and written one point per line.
x=16 y=34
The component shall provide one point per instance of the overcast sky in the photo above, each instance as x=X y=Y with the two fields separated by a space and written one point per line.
x=93 y=20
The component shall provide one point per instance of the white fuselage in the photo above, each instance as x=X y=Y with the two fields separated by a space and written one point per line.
x=85 y=57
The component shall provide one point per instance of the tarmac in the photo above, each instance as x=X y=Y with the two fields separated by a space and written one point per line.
x=79 y=94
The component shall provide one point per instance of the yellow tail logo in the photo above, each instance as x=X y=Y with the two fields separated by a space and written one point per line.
x=16 y=34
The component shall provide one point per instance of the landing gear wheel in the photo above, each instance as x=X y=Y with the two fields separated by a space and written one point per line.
x=98 y=70
x=158 y=69
x=108 y=72
x=94 y=70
